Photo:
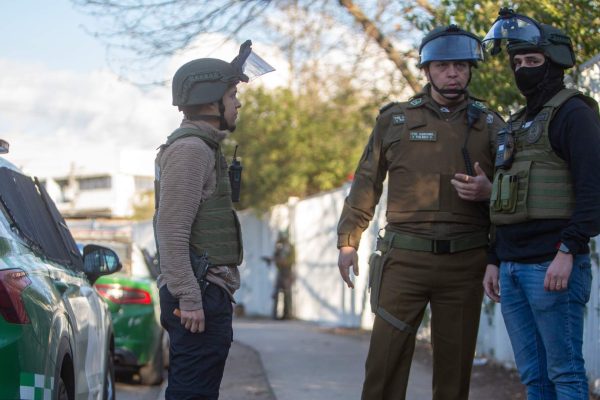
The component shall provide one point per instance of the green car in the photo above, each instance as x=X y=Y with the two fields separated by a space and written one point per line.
x=141 y=344
x=56 y=335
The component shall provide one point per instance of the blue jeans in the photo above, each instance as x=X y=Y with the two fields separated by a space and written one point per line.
x=546 y=328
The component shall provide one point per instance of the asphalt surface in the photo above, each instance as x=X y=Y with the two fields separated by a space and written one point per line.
x=293 y=360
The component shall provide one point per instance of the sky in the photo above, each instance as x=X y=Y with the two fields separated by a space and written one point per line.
x=63 y=109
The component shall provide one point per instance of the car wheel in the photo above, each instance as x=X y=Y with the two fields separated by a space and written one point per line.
x=61 y=390
x=64 y=376
x=165 y=348
x=152 y=372
x=109 y=378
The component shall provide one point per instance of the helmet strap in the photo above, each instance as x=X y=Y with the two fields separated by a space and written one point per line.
x=223 y=125
x=446 y=93
x=202 y=117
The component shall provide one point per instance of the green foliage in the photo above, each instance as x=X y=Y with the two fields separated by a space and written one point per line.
x=298 y=144
x=580 y=19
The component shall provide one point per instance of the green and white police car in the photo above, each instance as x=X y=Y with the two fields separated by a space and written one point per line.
x=56 y=335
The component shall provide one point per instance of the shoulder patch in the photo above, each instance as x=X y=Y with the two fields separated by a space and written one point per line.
x=416 y=101
x=480 y=105
x=387 y=106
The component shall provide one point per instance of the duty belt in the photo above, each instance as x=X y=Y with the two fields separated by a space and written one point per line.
x=410 y=242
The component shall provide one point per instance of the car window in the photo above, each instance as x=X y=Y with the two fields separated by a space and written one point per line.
x=35 y=219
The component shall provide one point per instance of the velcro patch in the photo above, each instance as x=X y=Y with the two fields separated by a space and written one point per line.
x=398 y=119
x=423 y=136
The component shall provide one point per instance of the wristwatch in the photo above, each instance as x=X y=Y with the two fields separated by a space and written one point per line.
x=564 y=249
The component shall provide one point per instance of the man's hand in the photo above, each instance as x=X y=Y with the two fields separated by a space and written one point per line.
x=348 y=258
x=558 y=273
x=473 y=188
x=490 y=282
x=192 y=320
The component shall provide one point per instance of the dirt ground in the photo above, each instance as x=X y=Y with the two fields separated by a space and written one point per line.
x=488 y=382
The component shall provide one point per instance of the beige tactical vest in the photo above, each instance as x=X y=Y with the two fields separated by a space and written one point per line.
x=423 y=153
x=216 y=228
x=538 y=184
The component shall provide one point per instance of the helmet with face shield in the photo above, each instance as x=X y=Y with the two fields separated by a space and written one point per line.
x=524 y=34
x=206 y=80
x=450 y=43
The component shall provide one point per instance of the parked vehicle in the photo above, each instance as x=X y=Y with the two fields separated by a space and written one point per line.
x=141 y=343
x=56 y=335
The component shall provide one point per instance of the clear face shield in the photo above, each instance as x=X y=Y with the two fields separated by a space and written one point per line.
x=250 y=65
x=511 y=26
x=452 y=47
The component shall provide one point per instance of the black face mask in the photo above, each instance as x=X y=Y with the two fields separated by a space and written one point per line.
x=528 y=78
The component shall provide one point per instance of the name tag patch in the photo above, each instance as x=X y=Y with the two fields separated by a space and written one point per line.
x=423 y=136
x=398 y=119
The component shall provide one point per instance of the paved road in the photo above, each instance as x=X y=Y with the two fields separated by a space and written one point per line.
x=303 y=361
x=134 y=391
x=294 y=360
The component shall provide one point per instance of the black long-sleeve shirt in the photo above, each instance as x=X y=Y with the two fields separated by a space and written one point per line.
x=575 y=136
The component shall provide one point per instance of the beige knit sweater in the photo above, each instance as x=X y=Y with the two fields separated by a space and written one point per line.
x=187 y=178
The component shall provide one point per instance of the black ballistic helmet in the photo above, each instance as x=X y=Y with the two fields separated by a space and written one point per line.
x=524 y=34
x=450 y=43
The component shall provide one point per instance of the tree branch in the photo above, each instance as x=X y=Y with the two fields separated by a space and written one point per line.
x=375 y=33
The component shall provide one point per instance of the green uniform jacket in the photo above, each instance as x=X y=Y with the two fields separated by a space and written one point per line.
x=418 y=143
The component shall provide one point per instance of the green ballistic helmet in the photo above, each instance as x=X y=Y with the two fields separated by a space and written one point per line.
x=206 y=80
x=524 y=34
x=450 y=43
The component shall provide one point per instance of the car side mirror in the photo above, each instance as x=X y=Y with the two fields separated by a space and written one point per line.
x=98 y=261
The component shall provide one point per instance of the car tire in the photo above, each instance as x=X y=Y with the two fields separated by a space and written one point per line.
x=109 y=378
x=152 y=372
x=165 y=348
x=61 y=390
x=64 y=388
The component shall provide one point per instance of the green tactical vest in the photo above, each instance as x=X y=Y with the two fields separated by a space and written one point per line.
x=538 y=184
x=216 y=229
x=422 y=154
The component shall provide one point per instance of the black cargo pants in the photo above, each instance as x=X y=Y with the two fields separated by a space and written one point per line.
x=197 y=360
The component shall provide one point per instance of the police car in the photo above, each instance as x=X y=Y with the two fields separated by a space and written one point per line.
x=56 y=336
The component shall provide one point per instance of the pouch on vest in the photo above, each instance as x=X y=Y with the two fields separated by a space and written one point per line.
x=495 y=196
x=508 y=193
x=375 y=273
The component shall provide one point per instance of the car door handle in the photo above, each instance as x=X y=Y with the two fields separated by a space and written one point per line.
x=61 y=286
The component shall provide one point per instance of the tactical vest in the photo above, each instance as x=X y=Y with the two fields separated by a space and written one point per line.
x=538 y=184
x=216 y=229
x=423 y=153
